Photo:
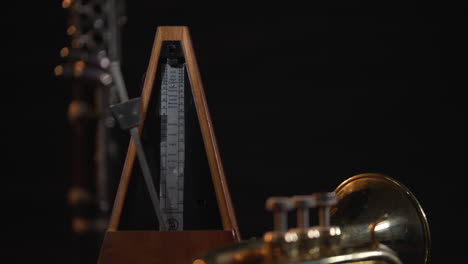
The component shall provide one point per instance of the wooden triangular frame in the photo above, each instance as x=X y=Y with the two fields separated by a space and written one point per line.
x=117 y=241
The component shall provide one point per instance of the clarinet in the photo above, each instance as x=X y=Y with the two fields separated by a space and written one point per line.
x=97 y=149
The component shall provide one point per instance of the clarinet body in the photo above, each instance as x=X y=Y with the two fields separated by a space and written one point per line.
x=97 y=142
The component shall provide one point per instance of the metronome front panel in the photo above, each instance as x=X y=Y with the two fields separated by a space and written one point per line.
x=176 y=155
x=161 y=247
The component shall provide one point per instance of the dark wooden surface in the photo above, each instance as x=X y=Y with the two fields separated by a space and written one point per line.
x=160 y=247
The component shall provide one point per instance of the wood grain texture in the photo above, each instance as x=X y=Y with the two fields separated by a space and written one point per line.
x=155 y=246
x=161 y=247
x=214 y=158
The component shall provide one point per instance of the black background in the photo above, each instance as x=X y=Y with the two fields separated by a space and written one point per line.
x=301 y=98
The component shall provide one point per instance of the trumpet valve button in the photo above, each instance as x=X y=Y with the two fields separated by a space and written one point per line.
x=302 y=204
x=324 y=201
x=304 y=201
x=279 y=206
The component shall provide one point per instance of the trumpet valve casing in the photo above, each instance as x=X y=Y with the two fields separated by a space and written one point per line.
x=305 y=247
x=327 y=240
x=279 y=246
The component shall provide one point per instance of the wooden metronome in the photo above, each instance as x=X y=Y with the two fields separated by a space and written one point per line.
x=183 y=157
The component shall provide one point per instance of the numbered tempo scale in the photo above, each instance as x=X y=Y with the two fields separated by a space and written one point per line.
x=165 y=206
x=172 y=151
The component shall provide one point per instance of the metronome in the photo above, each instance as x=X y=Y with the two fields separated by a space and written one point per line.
x=174 y=204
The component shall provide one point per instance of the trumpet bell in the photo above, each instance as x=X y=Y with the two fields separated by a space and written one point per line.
x=375 y=209
x=368 y=219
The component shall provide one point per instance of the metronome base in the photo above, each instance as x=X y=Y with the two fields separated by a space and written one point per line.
x=161 y=247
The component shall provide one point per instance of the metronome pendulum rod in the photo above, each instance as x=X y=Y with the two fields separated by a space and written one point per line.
x=123 y=96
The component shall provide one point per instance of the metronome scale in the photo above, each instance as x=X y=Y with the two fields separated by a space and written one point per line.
x=184 y=162
x=172 y=149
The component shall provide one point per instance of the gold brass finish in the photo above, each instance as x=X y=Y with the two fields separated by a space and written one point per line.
x=376 y=220
x=279 y=246
x=374 y=208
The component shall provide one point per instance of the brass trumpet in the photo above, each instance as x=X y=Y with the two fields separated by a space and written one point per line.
x=368 y=219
